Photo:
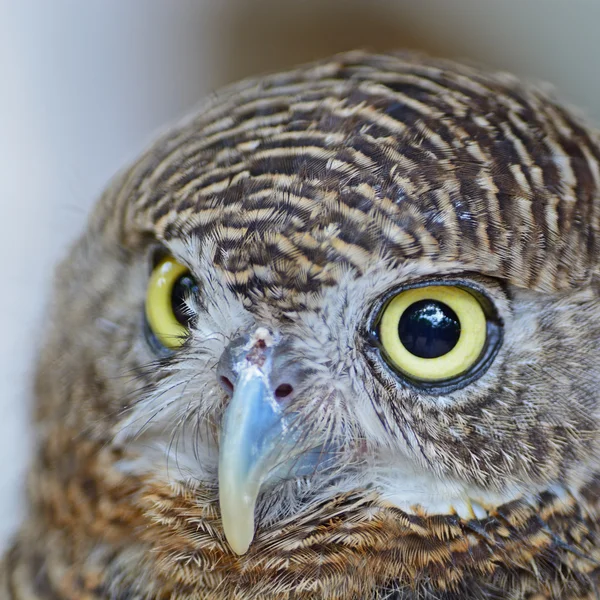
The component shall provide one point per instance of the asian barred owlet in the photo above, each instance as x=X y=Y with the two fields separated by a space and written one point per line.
x=335 y=336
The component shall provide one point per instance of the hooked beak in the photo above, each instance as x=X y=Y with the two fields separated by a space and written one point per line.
x=257 y=436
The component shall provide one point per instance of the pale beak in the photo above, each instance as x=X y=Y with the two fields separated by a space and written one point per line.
x=257 y=437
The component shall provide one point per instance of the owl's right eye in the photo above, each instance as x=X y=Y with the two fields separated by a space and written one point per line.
x=167 y=312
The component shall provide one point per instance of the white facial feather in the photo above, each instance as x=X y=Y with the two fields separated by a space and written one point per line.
x=173 y=430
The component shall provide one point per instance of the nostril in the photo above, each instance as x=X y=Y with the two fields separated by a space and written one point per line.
x=227 y=385
x=283 y=390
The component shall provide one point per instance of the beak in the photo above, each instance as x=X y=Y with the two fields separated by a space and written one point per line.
x=258 y=435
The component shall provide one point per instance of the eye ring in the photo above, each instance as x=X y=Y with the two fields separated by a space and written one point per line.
x=465 y=353
x=160 y=315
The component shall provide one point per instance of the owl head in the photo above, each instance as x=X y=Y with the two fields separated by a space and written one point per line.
x=332 y=331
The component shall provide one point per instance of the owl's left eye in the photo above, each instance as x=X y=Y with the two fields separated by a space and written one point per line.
x=167 y=312
x=433 y=333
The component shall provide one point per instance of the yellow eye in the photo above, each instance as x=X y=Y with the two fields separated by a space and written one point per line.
x=433 y=333
x=167 y=313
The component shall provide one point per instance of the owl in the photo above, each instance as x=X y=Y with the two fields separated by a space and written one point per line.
x=334 y=336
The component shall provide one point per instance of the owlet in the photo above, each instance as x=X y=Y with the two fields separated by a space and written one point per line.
x=335 y=336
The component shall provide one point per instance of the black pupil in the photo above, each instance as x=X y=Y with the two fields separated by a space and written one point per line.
x=429 y=329
x=185 y=288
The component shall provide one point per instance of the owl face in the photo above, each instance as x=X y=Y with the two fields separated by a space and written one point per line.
x=339 y=284
x=430 y=386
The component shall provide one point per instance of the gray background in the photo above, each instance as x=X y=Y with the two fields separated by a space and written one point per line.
x=84 y=84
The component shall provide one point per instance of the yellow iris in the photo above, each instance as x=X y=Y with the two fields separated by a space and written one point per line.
x=470 y=332
x=159 y=305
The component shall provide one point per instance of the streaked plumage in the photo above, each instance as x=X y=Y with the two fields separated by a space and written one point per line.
x=298 y=201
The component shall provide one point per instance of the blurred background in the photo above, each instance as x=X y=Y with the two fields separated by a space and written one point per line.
x=83 y=86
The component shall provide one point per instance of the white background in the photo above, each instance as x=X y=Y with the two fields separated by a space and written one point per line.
x=83 y=84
